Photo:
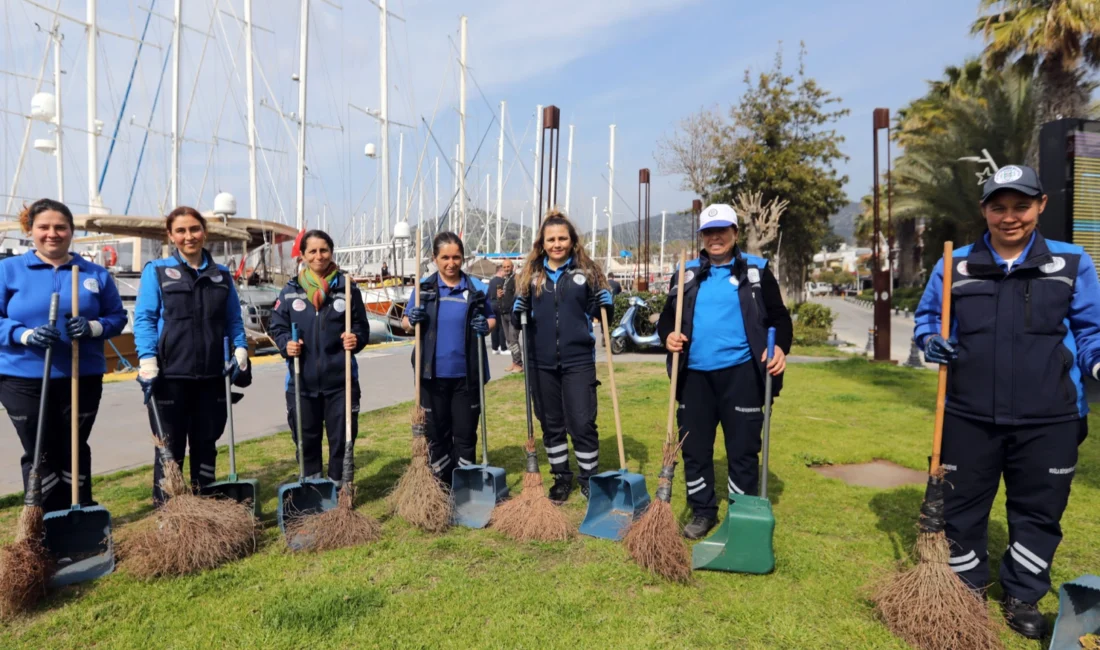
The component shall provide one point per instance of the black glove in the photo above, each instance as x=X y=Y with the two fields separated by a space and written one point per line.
x=522 y=304
x=243 y=379
x=939 y=350
x=43 y=336
x=417 y=316
x=78 y=327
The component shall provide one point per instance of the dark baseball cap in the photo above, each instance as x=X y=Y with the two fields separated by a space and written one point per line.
x=1021 y=178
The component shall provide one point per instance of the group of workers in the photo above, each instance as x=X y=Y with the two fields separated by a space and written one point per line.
x=1025 y=330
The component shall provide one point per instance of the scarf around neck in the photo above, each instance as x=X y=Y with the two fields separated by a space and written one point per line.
x=317 y=286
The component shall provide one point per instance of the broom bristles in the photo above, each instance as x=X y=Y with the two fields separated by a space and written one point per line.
x=655 y=543
x=929 y=606
x=25 y=566
x=531 y=516
x=189 y=533
x=340 y=527
x=419 y=497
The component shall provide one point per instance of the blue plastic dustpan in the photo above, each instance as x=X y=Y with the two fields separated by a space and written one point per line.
x=476 y=489
x=1078 y=612
x=615 y=500
x=303 y=498
x=80 y=541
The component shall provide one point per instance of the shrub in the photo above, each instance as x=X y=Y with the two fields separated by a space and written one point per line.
x=811 y=314
x=804 y=335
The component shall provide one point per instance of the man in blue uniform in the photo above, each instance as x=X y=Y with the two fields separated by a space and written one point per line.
x=1025 y=329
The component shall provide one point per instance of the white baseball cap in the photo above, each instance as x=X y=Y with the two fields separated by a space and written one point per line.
x=717 y=215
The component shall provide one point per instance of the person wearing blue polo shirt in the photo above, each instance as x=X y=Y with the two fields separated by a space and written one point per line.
x=26 y=285
x=730 y=299
x=455 y=316
x=185 y=306
x=562 y=290
x=1025 y=330
x=314 y=301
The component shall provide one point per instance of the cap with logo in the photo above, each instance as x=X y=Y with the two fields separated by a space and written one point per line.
x=1020 y=178
x=718 y=215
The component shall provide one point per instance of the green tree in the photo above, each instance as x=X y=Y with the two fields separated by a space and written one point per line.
x=1060 y=39
x=780 y=142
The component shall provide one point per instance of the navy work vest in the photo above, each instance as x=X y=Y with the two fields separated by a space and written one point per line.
x=194 y=314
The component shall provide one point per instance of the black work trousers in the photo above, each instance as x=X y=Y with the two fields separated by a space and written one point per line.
x=20 y=397
x=1038 y=463
x=496 y=339
x=565 y=403
x=323 y=411
x=733 y=397
x=452 y=416
x=192 y=414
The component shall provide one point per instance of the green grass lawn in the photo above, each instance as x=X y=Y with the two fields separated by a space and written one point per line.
x=477 y=589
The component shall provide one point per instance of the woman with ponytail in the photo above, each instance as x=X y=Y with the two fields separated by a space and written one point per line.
x=562 y=289
x=314 y=301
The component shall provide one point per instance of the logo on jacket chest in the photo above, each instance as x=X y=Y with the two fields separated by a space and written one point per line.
x=1053 y=266
x=173 y=273
x=579 y=279
x=298 y=305
x=754 y=275
x=339 y=305
x=91 y=284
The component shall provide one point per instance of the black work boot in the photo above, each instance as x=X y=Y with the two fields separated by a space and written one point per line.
x=699 y=527
x=584 y=490
x=1023 y=618
x=560 y=490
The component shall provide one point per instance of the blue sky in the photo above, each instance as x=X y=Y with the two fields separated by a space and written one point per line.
x=640 y=64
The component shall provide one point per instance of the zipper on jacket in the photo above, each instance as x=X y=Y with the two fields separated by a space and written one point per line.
x=1027 y=305
x=557 y=326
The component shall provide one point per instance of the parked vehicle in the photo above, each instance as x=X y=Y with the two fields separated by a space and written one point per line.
x=628 y=329
x=818 y=288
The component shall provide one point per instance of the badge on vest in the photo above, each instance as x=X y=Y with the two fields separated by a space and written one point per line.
x=689 y=276
x=298 y=305
x=1053 y=266
x=173 y=273
x=734 y=281
x=465 y=294
x=579 y=279
x=339 y=305
x=962 y=268
x=216 y=278
x=91 y=284
x=754 y=275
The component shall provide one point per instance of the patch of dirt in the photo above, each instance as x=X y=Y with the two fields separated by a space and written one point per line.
x=876 y=474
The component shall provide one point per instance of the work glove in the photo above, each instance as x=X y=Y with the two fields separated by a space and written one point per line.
x=243 y=378
x=237 y=364
x=148 y=371
x=522 y=304
x=79 y=327
x=41 y=337
x=417 y=316
x=940 y=350
x=603 y=298
x=479 y=324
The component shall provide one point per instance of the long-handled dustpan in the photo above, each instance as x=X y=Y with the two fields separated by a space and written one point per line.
x=476 y=489
x=78 y=538
x=306 y=496
x=616 y=498
x=743 y=543
x=240 y=490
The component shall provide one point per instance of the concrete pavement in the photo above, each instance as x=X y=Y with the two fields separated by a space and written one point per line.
x=853 y=321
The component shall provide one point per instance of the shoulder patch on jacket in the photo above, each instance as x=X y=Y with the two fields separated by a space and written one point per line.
x=754 y=260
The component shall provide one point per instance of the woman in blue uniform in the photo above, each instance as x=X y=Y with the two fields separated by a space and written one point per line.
x=454 y=316
x=26 y=285
x=186 y=305
x=314 y=301
x=562 y=290
x=731 y=299
x=1025 y=330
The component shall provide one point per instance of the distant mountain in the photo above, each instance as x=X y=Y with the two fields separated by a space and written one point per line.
x=844 y=222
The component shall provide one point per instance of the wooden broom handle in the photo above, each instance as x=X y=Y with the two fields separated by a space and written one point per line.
x=74 y=388
x=416 y=303
x=676 y=355
x=614 y=392
x=945 y=332
x=347 y=361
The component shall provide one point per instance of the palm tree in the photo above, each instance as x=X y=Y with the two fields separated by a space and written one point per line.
x=1059 y=38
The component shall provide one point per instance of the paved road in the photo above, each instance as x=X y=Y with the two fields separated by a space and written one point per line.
x=853 y=322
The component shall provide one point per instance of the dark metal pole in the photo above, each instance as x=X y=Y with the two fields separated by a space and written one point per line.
x=696 y=210
x=880 y=279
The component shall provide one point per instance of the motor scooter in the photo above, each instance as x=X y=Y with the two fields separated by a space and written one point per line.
x=628 y=330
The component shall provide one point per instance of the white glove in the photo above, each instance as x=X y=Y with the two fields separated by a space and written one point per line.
x=241 y=355
x=148 y=368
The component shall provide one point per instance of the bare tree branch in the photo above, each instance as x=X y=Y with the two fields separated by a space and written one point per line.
x=692 y=151
x=760 y=223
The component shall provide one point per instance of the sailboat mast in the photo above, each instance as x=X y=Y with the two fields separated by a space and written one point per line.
x=303 y=60
x=535 y=198
x=569 y=170
x=56 y=34
x=462 y=128
x=384 y=115
x=93 y=153
x=253 y=190
x=177 y=37
x=500 y=175
x=610 y=195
